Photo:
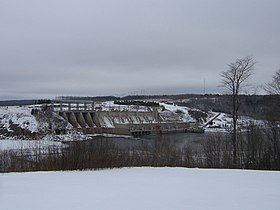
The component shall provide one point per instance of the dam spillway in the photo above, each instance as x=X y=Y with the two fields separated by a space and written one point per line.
x=82 y=115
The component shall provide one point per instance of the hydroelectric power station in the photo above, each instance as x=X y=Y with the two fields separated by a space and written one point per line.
x=91 y=119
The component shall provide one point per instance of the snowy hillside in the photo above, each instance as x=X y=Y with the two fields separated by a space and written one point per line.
x=176 y=112
x=18 y=122
x=20 y=116
x=142 y=189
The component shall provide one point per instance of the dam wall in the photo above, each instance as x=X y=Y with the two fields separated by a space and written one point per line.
x=121 y=122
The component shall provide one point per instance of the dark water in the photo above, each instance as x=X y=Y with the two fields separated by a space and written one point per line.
x=177 y=141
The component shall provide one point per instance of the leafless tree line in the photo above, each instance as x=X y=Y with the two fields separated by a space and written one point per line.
x=100 y=155
x=256 y=148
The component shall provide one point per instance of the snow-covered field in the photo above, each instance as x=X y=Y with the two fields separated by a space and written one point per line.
x=142 y=188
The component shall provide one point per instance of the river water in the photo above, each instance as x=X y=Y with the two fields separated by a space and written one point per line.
x=177 y=141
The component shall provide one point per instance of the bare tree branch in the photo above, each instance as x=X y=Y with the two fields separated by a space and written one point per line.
x=235 y=79
x=273 y=88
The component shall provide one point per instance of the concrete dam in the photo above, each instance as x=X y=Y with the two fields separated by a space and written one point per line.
x=84 y=116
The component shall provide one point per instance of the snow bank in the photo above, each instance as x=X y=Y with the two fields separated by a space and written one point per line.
x=142 y=188
x=27 y=144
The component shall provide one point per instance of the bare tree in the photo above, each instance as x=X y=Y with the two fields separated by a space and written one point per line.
x=235 y=80
x=273 y=87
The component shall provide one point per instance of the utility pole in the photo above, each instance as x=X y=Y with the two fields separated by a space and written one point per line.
x=204 y=86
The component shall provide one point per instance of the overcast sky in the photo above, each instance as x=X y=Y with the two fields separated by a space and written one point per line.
x=118 y=47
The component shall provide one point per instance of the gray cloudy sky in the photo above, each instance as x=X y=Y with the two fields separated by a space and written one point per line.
x=116 y=47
